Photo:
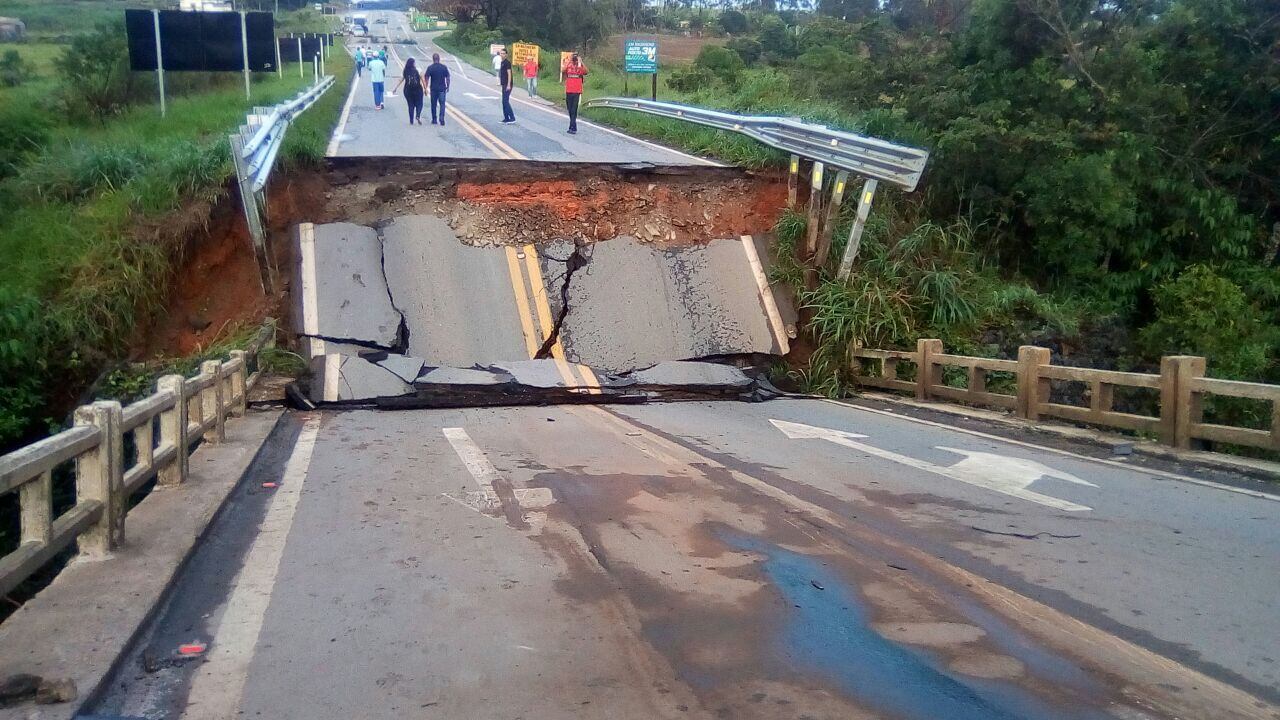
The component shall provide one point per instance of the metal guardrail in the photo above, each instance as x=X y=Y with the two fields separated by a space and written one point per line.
x=253 y=151
x=164 y=428
x=869 y=157
x=874 y=159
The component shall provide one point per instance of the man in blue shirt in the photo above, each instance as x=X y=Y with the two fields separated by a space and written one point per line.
x=378 y=76
x=438 y=84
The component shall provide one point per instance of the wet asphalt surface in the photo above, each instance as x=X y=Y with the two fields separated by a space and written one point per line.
x=693 y=561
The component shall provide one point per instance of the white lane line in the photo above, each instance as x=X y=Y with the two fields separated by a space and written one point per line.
x=218 y=684
x=1066 y=453
x=307 y=251
x=766 y=295
x=341 y=129
x=485 y=475
x=473 y=457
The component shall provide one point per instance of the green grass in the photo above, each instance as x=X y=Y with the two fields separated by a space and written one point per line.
x=42 y=56
x=63 y=18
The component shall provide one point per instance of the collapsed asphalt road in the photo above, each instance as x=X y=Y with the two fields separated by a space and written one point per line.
x=422 y=288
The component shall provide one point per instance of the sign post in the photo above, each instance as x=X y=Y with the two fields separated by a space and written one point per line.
x=300 y=75
x=279 y=67
x=244 y=49
x=155 y=14
x=641 y=57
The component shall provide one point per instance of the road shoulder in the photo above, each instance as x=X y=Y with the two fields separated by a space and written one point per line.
x=95 y=608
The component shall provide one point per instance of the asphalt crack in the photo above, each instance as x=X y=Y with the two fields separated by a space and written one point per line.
x=577 y=260
x=402 y=332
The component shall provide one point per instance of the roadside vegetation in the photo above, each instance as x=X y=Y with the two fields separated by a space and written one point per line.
x=1102 y=180
x=92 y=181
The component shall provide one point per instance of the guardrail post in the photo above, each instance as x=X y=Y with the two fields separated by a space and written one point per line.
x=173 y=430
x=1032 y=388
x=239 y=384
x=213 y=399
x=815 y=211
x=1188 y=408
x=926 y=371
x=833 y=214
x=100 y=477
x=793 y=181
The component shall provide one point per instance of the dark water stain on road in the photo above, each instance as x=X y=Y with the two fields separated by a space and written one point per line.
x=828 y=633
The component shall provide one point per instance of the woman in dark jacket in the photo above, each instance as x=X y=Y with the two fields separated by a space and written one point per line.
x=412 y=81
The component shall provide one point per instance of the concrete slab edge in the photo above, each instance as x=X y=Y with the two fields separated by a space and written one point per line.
x=1217 y=461
x=120 y=623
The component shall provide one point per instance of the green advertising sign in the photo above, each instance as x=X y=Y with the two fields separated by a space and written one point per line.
x=640 y=56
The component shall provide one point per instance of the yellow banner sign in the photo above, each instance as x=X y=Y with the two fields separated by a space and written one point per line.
x=522 y=52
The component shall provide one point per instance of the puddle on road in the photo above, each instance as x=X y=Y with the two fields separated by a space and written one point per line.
x=828 y=633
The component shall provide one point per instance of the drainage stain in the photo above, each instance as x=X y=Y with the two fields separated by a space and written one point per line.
x=828 y=633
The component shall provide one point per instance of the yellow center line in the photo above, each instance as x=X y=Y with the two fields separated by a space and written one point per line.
x=531 y=342
x=543 y=306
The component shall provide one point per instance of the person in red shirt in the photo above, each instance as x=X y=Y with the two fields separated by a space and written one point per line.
x=574 y=72
x=531 y=75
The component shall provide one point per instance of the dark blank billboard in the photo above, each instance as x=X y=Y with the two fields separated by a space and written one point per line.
x=201 y=41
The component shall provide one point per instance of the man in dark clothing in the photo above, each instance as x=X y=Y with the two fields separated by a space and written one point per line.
x=506 y=78
x=438 y=84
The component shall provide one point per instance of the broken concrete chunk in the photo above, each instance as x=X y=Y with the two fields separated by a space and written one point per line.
x=342 y=378
x=406 y=368
x=313 y=347
x=339 y=290
x=542 y=373
x=462 y=376
x=52 y=692
x=685 y=374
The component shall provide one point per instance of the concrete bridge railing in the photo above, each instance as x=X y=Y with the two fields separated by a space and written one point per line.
x=159 y=432
x=1181 y=385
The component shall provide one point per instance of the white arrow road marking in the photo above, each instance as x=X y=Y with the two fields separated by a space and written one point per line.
x=1003 y=474
x=486 y=498
x=481 y=97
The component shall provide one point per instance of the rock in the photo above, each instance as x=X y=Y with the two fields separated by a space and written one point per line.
x=52 y=692
x=18 y=688
x=199 y=322
x=388 y=192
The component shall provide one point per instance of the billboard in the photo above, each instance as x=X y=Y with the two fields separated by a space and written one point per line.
x=201 y=41
x=289 y=48
x=640 y=56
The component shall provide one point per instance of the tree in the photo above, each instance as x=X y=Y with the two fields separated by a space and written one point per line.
x=734 y=22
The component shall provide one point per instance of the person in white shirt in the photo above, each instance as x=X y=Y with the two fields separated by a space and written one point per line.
x=378 y=77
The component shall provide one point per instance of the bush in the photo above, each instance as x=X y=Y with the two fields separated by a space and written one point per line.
x=22 y=352
x=13 y=71
x=690 y=79
x=95 y=74
x=723 y=63
x=734 y=22
x=747 y=48
x=1202 y=313
x=24 y=129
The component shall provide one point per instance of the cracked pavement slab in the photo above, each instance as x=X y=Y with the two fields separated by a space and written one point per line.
x=456 y=299
x=339 y=290
x=634 y=305
x=346 y=378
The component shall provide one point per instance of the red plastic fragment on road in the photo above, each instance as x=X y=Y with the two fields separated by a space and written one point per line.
x=194 y=648
x=269 y=485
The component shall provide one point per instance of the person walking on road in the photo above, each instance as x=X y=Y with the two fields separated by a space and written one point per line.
x=359 y=61
x=378 y=78
x=505 y=79
x=412 y=81
x=574 y=72
x=531 y=75
x=438 y=83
